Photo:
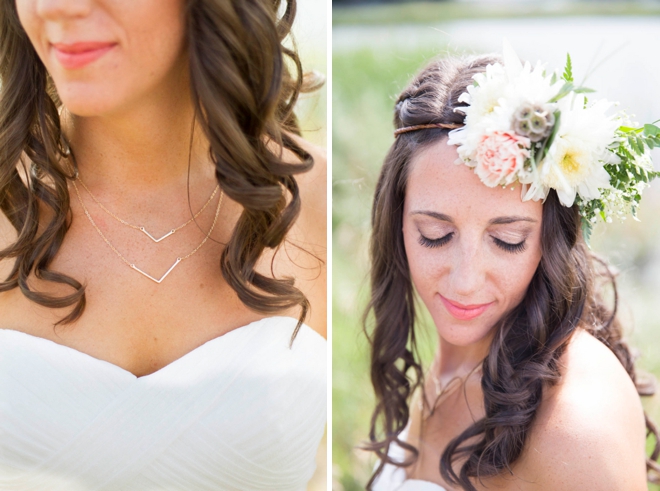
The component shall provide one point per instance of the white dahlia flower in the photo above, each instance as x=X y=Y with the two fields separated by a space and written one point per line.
x=497 y=95
x=574 y=162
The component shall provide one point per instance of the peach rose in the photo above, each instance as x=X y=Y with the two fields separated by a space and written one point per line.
x=500 y=155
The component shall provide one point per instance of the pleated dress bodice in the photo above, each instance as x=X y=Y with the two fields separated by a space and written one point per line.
x=244 y=411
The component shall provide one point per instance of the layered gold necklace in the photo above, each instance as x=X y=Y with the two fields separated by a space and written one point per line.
x=139 y=227
x=142 y=229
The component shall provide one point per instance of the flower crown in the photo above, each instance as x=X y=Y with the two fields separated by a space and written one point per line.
x=540 y=130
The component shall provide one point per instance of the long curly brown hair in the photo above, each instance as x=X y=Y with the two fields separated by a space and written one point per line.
x=564 y=294
x=244 y=95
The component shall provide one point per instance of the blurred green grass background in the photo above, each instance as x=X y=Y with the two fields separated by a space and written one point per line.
x=366 y=80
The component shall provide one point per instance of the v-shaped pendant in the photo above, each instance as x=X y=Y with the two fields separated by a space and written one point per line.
x=142 y=229
x=178 y=260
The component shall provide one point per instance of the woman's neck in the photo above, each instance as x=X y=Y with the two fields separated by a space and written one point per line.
x=454 y=361
x=145 y=147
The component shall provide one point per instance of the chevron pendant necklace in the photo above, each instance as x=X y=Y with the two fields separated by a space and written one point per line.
x=140 y=227
x=178 y=259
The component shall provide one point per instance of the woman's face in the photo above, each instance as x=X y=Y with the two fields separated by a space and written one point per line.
x=472 y=250
x=106 y=56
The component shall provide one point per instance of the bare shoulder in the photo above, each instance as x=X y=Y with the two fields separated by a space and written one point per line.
x=309 y=234
x=304 y=252
x=589 y=432
x=313 y=184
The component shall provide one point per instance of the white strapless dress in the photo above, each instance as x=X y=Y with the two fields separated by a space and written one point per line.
x=393 y=478
x=241 y=412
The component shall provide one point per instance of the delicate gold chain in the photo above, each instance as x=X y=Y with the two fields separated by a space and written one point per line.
x=141 y=228
x=441 y=390
x=132 y=265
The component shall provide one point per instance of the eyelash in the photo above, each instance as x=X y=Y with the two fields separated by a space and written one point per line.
x=433 y=243
x=513 y=248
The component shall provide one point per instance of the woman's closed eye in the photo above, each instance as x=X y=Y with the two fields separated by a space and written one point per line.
x=427 y=242
x=506 y=246
x=509 y=247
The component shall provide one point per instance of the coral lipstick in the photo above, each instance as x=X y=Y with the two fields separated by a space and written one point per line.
x=464 y=312
x=78 y=55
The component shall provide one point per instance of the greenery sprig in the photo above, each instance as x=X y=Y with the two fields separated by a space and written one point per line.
x=627 y=178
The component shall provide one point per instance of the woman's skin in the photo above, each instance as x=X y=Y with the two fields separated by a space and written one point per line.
x=128 y=116
x=476 y=245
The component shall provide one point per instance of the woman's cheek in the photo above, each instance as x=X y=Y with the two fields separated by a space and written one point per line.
x=28 y=19
x=514 y=278
x=427 y=271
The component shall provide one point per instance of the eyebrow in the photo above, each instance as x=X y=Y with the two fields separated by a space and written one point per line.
x=492 y=221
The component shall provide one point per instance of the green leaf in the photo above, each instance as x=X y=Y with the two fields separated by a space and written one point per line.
x=634 y=145
x=583 y=90
x=651 y=130
x=586 y=231
x=641 y=144
x=553 y=79
x=551 y=138
x=564 y=91
x=568 y=70
x=628 y=129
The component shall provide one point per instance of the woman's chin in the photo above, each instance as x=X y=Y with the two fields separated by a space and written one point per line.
x=462 y=334
x=88 y=101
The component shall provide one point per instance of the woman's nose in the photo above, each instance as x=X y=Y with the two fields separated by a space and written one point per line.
x=467 y=271
x=59 y=9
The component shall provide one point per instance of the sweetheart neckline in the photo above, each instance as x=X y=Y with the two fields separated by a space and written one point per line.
x=173 y=362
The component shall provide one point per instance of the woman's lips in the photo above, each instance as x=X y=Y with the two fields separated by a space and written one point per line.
x=77 y=55
x=464 y=312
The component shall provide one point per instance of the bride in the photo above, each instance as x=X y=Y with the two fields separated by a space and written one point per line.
x=532 y=386
x=163 y=241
